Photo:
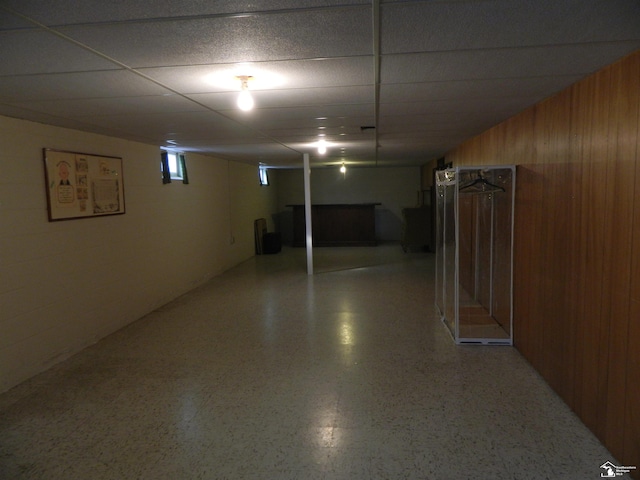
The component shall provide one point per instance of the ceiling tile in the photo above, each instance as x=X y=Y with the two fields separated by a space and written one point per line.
x=501 y=63
x=299 y=116
x=469 y=89
x=35 y=52
x=300 y=34
x=167 y=125
x=458 y=106
x=45 y=118
x=9 y=21
x=329 y=72
x=113 y=106
x=69 y=12
x=282 y=98
x=469 y=25
x=272 y=153
x=67 y=86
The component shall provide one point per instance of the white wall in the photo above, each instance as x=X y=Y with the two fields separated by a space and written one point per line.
x=66 y=284
x=394 y=187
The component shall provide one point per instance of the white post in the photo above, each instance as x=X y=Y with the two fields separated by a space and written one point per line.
x=307 y=213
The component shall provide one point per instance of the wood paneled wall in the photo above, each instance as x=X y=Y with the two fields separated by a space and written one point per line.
x=577 y=245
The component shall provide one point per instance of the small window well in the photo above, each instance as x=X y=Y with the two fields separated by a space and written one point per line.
x=263 y=175
x=173 y=167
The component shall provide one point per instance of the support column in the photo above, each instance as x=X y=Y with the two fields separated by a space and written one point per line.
x=307 y=213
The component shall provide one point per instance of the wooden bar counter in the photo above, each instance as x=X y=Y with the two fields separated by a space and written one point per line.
x=336 y=225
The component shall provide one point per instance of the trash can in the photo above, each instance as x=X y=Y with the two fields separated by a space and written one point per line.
x=271 y=243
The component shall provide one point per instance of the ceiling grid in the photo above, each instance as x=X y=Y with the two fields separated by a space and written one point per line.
x=427 y=75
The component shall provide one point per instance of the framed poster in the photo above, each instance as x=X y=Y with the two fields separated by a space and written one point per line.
x=81 y=185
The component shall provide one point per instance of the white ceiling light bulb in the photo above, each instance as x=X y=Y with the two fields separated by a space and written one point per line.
x=322 y=146
x=245 y=100
x=343 y=169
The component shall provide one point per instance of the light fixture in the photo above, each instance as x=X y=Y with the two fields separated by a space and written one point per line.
x=343 y=169
x=322 y=146
x=245 y=100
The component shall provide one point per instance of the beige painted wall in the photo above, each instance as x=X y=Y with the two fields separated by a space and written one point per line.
x=64 y=285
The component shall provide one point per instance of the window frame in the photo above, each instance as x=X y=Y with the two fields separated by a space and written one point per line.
x=177 y=173
x=169 y=158
x=263 y=176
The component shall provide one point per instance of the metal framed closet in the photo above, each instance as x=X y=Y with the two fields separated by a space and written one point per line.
x=474 y=253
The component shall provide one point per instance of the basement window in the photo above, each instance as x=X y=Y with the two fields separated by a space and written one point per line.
x=174 y=166
x=263 y=176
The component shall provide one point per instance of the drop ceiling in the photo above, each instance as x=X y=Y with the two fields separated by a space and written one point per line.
x=426 y=75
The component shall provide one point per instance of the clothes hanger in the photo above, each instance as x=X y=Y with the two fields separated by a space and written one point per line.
x=480 y=180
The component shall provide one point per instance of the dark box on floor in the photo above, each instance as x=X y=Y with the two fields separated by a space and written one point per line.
x=271 y=243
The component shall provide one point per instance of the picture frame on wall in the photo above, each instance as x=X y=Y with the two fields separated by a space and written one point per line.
x=81 y=185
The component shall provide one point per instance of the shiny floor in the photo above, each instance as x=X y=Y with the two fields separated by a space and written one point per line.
x=267 y=373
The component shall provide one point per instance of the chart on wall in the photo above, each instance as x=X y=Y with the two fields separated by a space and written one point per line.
x=82 y=185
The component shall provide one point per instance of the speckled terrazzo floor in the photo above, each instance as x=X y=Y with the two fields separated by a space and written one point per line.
x=267 y=373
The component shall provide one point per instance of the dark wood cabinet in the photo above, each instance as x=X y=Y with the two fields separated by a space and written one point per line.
x=336 y=225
